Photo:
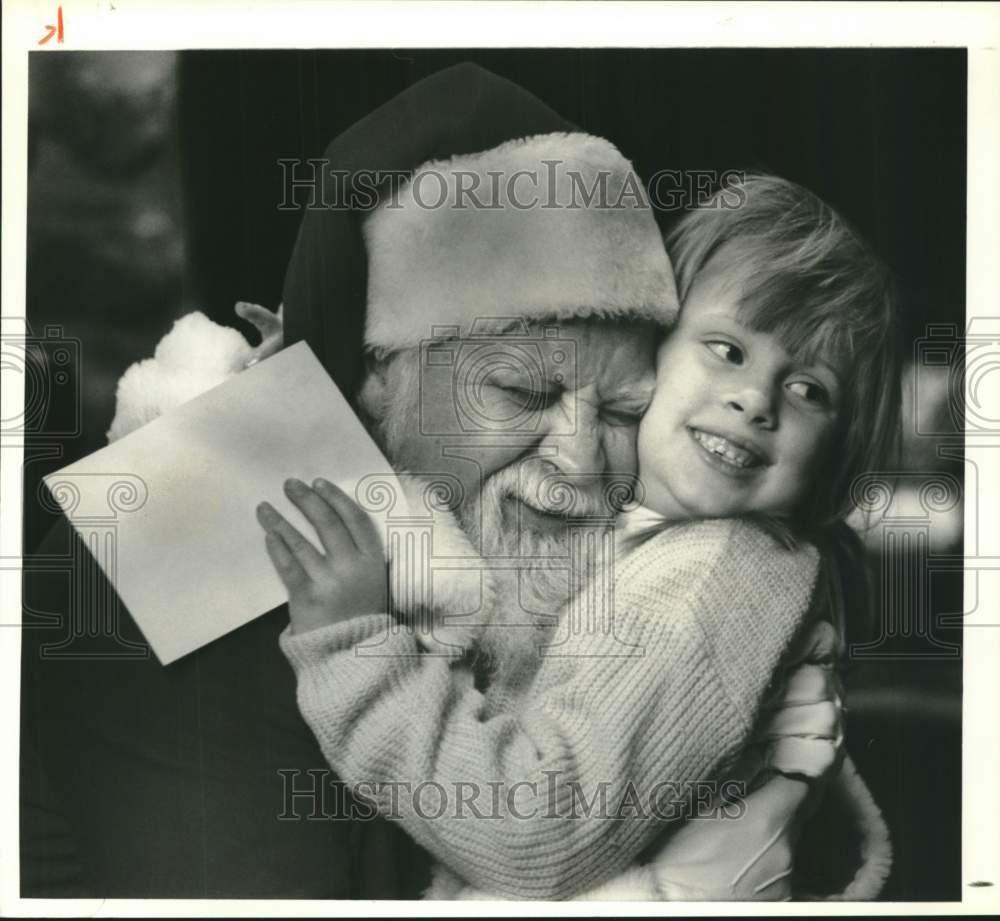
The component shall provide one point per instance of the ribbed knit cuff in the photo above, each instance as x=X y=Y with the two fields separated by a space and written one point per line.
x=314 y=646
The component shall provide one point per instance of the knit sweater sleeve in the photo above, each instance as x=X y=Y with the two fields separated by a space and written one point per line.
x=556 y=797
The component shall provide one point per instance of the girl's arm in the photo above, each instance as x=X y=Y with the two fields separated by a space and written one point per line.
x=548 y=801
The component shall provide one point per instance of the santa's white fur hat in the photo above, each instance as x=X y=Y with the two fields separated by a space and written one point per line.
x=421 y=228
x=554 y=226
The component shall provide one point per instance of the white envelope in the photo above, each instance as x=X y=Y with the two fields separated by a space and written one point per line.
x=169 y=510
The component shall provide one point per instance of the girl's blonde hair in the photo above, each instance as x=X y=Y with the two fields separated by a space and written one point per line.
x=806 y=275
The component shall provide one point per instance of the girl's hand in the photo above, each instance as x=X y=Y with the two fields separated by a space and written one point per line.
x=270 y=326
x=324 y=588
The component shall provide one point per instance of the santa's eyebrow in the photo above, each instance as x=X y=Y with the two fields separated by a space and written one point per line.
x=509 y=373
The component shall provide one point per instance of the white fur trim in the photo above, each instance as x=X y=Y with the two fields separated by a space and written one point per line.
x=461 y=600
x=195 y=356
x=447 y=266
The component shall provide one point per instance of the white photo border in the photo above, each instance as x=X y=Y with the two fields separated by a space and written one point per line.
x=145 y=24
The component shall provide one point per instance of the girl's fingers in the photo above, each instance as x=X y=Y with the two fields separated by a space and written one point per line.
x=333 y=533
x=289 y=569
x=307 y=556
x=361 y=527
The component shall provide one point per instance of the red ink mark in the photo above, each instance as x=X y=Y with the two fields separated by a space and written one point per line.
x=56 y=30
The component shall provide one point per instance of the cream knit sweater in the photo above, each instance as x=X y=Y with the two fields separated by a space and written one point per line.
x=702 y=615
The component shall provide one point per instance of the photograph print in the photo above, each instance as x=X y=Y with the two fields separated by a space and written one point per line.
x=523 y=474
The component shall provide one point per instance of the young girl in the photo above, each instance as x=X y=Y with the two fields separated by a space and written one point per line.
x=777 y=387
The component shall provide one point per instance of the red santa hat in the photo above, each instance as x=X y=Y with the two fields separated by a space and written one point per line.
x=465 y=198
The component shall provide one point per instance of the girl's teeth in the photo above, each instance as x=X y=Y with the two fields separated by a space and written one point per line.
x=724 y=449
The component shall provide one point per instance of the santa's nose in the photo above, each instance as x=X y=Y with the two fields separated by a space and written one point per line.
x=574 y=438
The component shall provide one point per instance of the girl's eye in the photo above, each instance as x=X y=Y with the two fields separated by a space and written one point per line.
x=810 y=391
x=726 y=351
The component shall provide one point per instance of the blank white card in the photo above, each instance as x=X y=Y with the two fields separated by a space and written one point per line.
x=189 y=559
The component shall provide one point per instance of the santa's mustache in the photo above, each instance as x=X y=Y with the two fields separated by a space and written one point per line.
x=542 y=486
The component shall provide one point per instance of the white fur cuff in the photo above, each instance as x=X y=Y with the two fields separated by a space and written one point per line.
x=196 y=355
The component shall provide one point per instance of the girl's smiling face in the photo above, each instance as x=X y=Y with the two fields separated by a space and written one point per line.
x=736 y=425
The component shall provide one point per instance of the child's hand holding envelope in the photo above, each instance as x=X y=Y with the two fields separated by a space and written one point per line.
x=346 y=579
x=190 y=562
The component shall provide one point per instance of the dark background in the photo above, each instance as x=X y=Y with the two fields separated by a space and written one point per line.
x=878 y=134
x=154 y=188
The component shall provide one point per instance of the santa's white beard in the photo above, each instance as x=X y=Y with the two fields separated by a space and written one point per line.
x=530 y=599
